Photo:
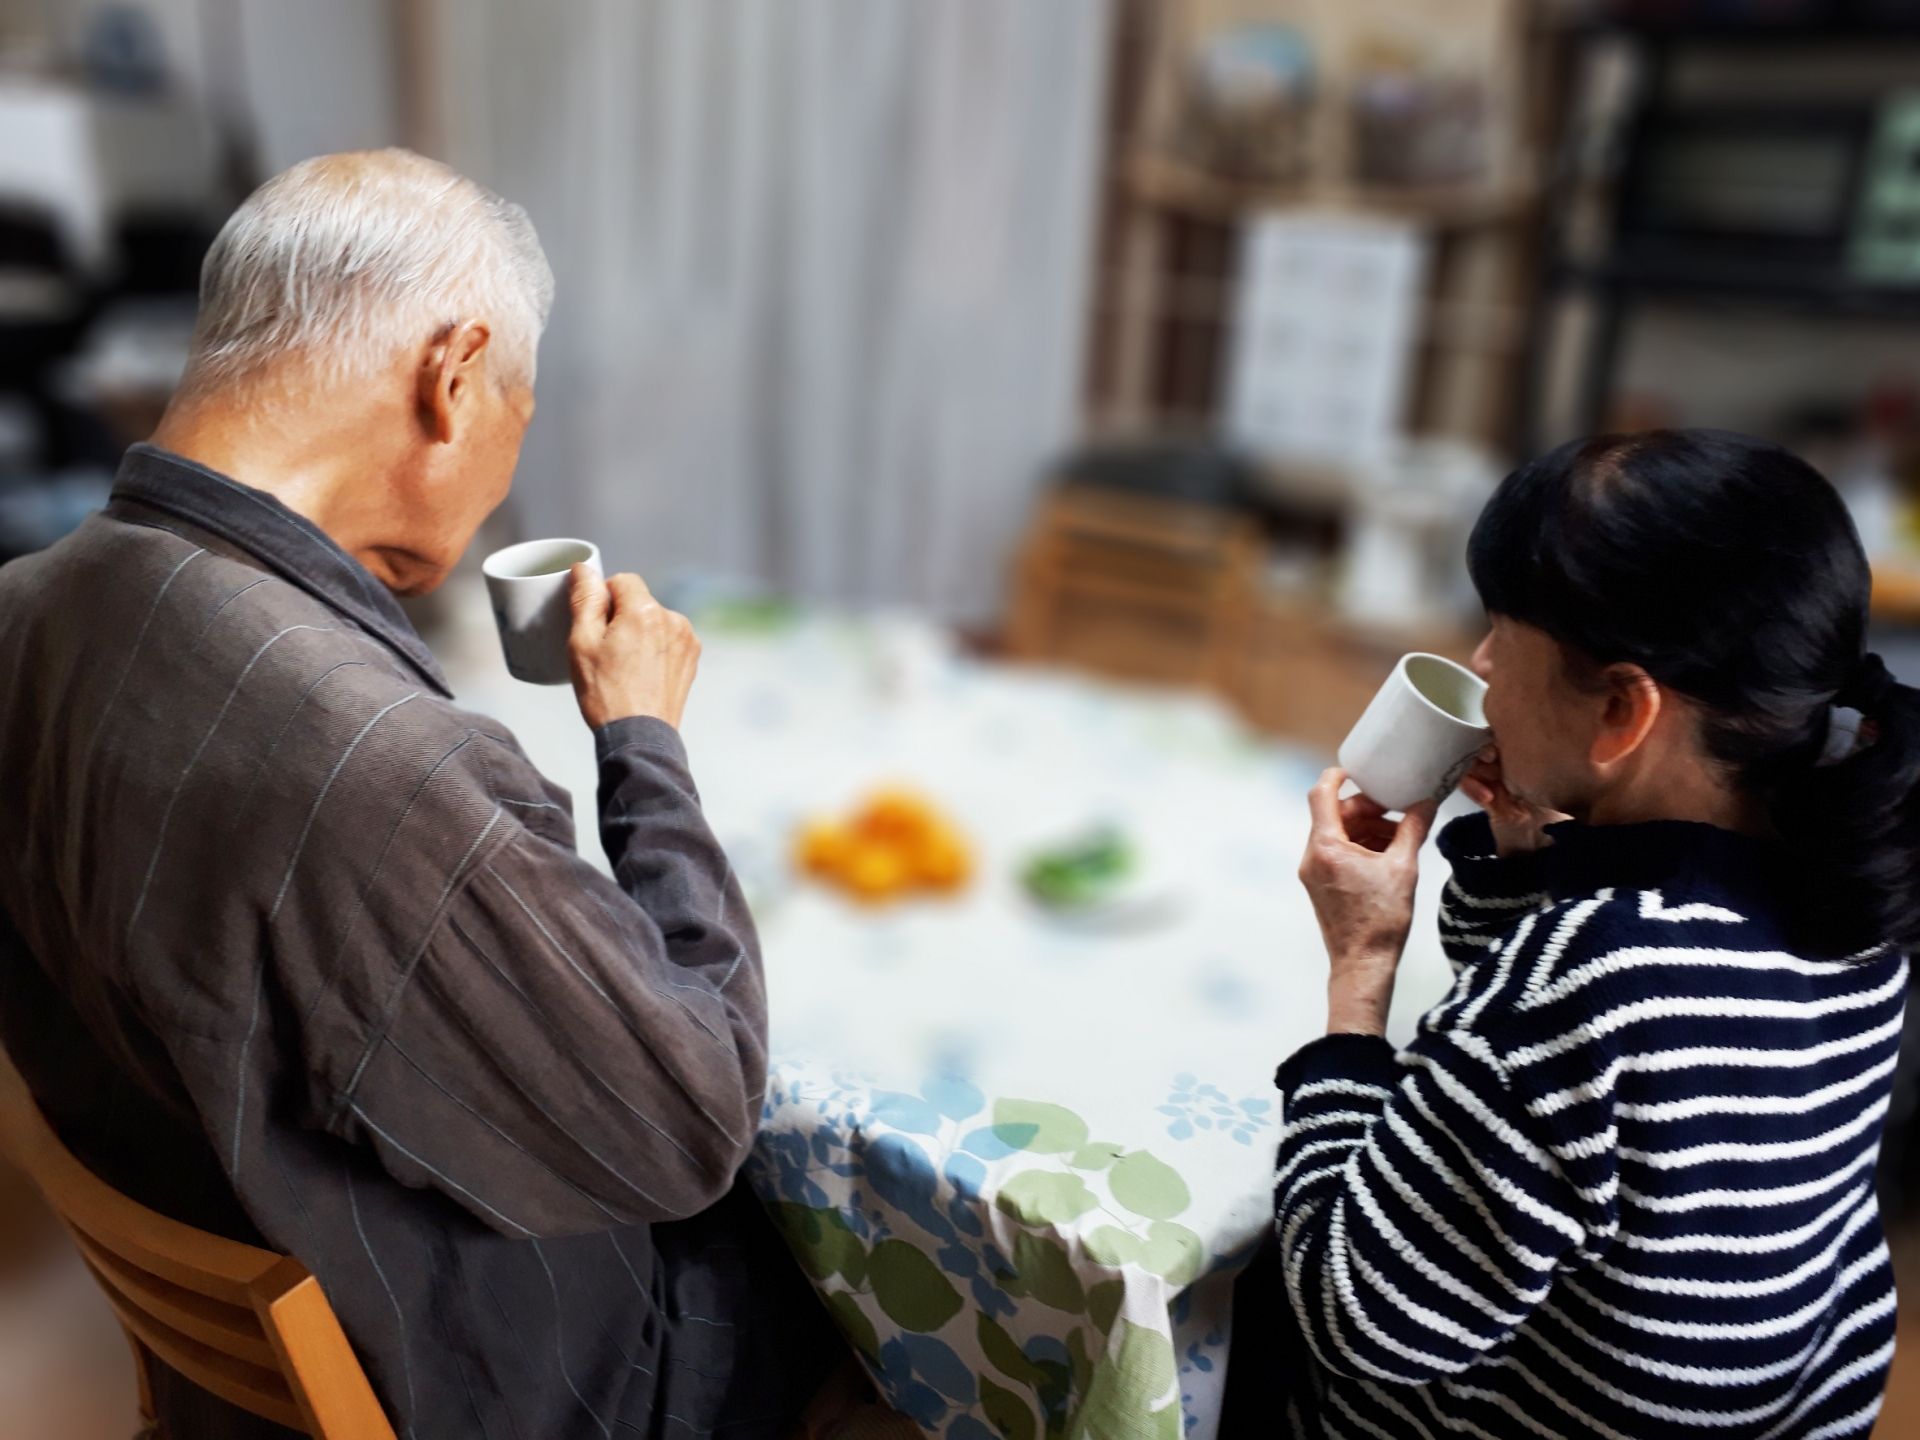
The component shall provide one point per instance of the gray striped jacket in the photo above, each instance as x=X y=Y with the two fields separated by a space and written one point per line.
x=288 y=926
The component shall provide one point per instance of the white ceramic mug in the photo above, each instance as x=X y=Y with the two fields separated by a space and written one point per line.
x=1419 y=735
x=528 y=586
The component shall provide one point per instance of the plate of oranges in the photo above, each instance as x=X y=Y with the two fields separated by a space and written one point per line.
x=895 y=844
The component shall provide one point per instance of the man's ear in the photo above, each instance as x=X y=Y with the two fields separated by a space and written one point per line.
x=1632 y=706
x=452 y=366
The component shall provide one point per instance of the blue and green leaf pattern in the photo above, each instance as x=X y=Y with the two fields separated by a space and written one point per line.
x=1004 y=1270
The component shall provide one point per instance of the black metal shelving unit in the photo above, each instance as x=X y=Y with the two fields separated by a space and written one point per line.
x=1606 y=243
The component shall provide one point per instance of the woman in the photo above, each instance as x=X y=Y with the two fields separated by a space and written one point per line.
x=1621 y=1183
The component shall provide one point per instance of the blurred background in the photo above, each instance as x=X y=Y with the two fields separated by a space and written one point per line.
x=1175 y=342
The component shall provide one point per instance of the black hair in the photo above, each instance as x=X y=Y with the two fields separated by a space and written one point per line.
x=1729 y=570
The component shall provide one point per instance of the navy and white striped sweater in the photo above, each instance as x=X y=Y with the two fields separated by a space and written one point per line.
x=1621 y=1184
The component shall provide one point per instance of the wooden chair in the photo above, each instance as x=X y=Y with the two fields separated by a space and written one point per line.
x=250 y=1326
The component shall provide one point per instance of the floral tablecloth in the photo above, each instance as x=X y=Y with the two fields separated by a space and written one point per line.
x=1021 y=1160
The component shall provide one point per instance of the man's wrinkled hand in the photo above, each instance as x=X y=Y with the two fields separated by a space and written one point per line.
x=629 y=654
x=1360 y=870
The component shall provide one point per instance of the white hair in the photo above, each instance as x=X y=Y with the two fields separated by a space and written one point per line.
x=345 y=261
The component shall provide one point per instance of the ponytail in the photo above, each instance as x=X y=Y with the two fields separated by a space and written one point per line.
x=1852 y=817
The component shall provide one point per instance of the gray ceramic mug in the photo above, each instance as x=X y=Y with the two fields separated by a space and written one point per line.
x=527 y=584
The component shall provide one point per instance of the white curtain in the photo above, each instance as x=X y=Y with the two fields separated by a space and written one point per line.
x=823 y=268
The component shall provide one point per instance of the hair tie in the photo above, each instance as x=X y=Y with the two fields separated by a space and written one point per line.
x=1860 y=696
x=1843 y=736
x=1867 y=685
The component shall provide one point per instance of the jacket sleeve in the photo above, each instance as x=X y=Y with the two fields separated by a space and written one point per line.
x=572 y=1054
x=1425 y=1201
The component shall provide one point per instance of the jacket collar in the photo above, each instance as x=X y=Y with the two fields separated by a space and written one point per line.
x=287 y=543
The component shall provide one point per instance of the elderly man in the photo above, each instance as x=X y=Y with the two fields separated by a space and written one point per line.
x=295 y=950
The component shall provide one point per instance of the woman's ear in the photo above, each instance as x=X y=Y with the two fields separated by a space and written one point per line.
x=1631 y=707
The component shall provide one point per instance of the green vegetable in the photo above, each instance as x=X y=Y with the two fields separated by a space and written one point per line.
x=1083 y=872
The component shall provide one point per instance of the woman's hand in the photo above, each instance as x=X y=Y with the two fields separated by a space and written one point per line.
x=1360 y=869
x=629 y=654
x=1518 y=826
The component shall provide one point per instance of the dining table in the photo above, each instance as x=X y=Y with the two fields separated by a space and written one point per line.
x=1022 y=1155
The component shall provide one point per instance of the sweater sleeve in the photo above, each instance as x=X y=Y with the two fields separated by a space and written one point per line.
x=1424 y=1201
x=1486 y=894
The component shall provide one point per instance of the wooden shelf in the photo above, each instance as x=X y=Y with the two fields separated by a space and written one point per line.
x=1176 y=185
x=1160 y=339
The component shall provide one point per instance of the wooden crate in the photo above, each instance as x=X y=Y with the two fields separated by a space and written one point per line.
x=1137 y=587
x=1170 y=593
x=1306 y=675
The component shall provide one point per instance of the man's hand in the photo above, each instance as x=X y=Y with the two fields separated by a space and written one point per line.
x=1359 y=870
x=1518 y=826
x=629 y=654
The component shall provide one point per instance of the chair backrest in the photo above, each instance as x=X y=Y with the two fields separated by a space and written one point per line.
x=246 y=1324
